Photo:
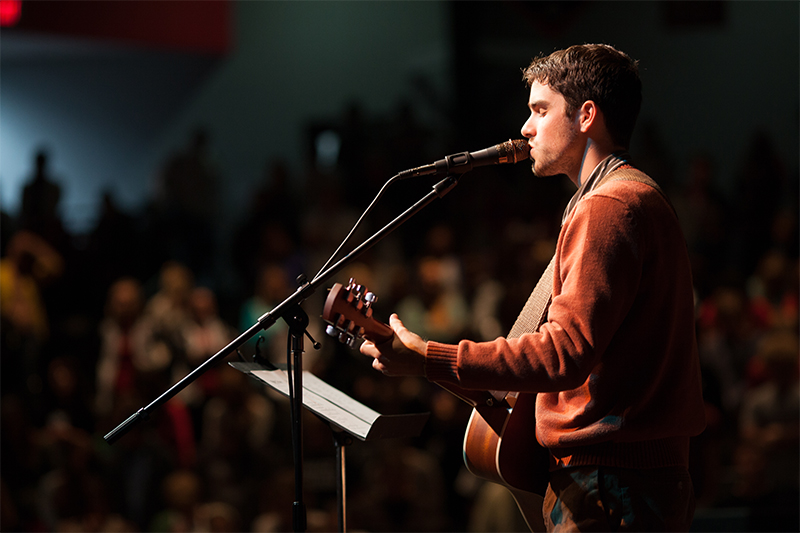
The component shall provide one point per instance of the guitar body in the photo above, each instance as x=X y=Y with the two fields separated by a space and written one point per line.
x=500 y=442
x=500 y=446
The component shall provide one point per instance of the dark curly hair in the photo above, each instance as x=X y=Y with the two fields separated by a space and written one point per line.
x=596 y=72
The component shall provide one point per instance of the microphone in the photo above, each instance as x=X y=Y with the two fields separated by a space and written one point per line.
x=507 y=152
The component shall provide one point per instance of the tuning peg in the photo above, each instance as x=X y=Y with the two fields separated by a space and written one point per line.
x=347 y=338
x=370 y=298
x=331 y=331
x=359 y=291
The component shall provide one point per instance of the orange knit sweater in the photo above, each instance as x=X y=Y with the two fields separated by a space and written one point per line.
x=615 y=365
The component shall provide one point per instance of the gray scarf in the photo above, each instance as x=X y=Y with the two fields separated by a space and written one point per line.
x=605 y=167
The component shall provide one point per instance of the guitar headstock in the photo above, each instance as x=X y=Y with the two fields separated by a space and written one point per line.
x=348 y=311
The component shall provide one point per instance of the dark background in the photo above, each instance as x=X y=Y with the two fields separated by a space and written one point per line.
x=303 y=110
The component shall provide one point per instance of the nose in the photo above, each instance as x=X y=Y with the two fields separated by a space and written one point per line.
x=528 y=130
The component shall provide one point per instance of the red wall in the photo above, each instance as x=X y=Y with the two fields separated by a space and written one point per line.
x=190 y=25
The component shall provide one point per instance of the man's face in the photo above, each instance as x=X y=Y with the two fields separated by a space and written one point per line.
x=556 y=147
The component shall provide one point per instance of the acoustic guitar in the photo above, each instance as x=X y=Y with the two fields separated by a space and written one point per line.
x=500 y=441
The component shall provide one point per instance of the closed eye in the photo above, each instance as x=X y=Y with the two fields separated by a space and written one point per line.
x=538 y=108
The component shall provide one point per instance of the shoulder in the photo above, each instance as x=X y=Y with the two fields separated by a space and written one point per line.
x=630 y=209
x=634 y=190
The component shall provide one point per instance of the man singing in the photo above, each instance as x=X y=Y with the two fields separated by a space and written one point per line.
x=606 y=340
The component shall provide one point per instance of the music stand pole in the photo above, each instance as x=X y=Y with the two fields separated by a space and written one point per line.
x=340 y=440
x=298 y=322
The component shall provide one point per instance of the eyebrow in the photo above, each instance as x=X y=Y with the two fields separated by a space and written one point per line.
x=537 y=103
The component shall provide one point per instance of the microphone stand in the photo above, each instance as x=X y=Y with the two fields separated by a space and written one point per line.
x=297 y=319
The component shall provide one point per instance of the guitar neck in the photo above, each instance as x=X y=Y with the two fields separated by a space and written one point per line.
x=349 y=312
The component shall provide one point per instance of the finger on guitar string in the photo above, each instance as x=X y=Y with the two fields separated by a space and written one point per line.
x=369 y=348
x=380 y=366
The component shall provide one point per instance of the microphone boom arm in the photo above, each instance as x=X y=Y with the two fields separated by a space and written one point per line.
x=287 y=306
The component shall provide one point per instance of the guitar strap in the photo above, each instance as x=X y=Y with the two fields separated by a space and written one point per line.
x=535 y=309
x=534 y=313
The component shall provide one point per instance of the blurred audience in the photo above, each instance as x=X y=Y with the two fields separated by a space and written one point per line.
x=30 y=264
x=125 y=336
x=92 y=333
x=726 y=340
x=186 y=204
x=41 y=199
x=204 y=335
x=766 y=459
x=435 y=305
x=773 y=291
x=272 y=286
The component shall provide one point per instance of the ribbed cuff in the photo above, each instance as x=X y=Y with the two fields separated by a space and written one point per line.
x=441 y=362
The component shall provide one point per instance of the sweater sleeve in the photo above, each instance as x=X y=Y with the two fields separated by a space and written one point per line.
x=597 y=272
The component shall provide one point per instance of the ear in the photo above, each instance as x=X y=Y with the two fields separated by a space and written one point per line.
x=588 y=114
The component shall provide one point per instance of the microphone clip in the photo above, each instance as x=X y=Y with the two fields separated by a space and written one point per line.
x=511 y=151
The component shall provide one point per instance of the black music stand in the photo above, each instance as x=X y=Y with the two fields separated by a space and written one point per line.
x=345 y=416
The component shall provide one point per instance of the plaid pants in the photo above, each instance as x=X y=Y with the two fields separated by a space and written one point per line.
x=591 y=498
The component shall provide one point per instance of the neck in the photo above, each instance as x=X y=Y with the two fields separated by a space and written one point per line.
x=594 y=152
x=592 y=156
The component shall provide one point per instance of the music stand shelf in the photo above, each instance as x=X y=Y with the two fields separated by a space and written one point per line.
x=339 y=409
x=342 y=413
